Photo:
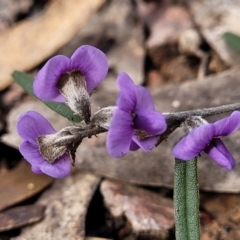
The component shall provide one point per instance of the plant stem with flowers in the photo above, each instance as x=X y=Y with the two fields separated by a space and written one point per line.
x=132 y=124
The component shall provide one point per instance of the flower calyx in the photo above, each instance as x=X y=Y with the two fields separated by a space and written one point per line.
x=102 y=117
x=193 y=122
x=66 y=141
x=74 y=88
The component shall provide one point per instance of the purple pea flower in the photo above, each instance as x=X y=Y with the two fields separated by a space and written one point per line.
x=72 y=80
x=206 y=138
x=135 y=123
x=30 y=126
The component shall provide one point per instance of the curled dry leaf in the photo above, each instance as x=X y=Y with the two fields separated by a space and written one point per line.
x=20 y=216
x=20 y=183
x=31 y=41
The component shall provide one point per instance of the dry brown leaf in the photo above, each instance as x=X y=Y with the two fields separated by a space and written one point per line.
x=20 y=183
x=31 y=41
x=66 y=207
x=20 y=216
x=149 y=213
x=214 y=19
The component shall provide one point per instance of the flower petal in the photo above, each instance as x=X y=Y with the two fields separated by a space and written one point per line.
x=220 y=154
x=144 y=98
x=120 y=133
x=92 y=63
x=32 y=124
x=61 y=168
x=194 y=143
x=146 y=144
x=37 y=170
x=127 y=99
x=44 y=85
x=150 y=121
x=134 y=146
x=31 y=153
x=227 y=125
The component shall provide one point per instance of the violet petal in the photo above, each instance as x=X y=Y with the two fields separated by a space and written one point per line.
x=146 y=144
x=227 y=125
x=144 y=98
x=120 y=133
x=36 y=169
x=45 y=83
x=127 y=97
x=31 y=153
x=150 y=121
x=92 y=63
x=220 y=154
x=61 y=168
x=134 y=146
x=32 y=124
x=194 y=143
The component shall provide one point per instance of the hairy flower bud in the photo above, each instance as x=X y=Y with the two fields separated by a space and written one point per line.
x=73 y=86
x=102 y=118
x=193 y=122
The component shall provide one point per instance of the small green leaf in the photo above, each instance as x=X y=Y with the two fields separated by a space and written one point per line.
x=232 y=40
x=26 y=82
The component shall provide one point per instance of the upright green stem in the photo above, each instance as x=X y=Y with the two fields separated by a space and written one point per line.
x=186 y=200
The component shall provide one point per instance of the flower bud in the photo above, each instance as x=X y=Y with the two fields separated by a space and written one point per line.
x=102 y=118
x=193 y=122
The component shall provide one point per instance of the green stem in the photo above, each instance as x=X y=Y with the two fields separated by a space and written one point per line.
x=186 y=200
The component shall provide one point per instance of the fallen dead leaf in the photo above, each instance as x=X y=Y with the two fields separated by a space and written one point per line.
x=31 y=41
x=20 y=183
x=214 y=18
x=20 y=216
x=149 y=213
x=66 y=207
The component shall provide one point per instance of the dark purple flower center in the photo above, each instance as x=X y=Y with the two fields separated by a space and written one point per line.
x=141 y=134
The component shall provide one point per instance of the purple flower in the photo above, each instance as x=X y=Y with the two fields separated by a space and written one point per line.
x=89 y=61
x=30 y=126
x=206 y=138
x=135 y=123
x=72 y=80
